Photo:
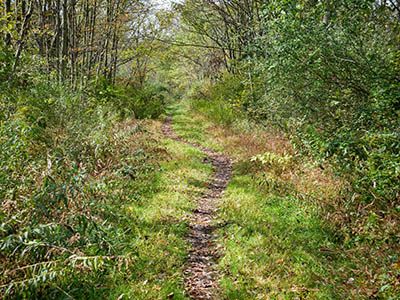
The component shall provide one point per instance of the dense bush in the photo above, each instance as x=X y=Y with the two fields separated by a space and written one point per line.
x=70 y=163
x=219 y=100
x=6 y=59
x=146 y=101
x=332 y=85
x=336 y=86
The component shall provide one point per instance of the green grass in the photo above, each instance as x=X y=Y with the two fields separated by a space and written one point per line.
x=125 y=212
x=160 y=226
x=277 y=241
x=272 y=242
x=123 y=216
x=273 y=245
x=193 y=129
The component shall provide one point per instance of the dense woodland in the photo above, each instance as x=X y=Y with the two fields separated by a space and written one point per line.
x=84 y=85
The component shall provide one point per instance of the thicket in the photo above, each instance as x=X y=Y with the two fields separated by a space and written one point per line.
x=327 y=74
x=335 y=86
x=75 y=89
x=71 y=163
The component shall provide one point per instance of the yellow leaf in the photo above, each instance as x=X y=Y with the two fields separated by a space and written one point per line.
x=397 y=266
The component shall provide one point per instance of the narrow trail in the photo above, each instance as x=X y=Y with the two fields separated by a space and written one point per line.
x=201 y=280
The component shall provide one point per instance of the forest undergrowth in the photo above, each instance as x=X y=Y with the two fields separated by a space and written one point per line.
x=94 y=199
x=303 y=94
x=288 y=235
x=110 y=194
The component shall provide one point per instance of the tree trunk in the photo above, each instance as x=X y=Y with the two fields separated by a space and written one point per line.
x=22 y=35
x=57 y=38
x=64 y=51
x=7 y=37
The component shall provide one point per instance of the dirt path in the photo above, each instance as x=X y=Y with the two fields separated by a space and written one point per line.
x=201 y=280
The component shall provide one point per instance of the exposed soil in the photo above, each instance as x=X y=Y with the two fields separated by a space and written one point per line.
x=201 y=281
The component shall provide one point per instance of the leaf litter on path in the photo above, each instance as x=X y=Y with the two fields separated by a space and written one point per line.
x=201 y=280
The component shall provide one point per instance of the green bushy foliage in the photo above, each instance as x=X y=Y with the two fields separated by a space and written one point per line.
x=150 y=100
x=147 y=101
x=332 y=86
x=336 y=83
x=6 y=60
x=218 y=101
x=69 y=165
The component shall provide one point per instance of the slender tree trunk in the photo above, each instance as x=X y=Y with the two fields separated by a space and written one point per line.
x=85 y=43
x=64 y=51
x=7 y=37
x=114 y=52
x=72 y=40
x=40 y=37
x=92 y=33
x=57 y=39
x=22 y=35
x=108 y=36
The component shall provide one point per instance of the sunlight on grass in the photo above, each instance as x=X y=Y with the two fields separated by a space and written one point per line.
x=276 y=244
x=194 y=129
x=272 y=243
x=160 y=226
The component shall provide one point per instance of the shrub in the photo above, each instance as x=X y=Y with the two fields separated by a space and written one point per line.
x=65 y=157
x=147 y=101
x=219 y=102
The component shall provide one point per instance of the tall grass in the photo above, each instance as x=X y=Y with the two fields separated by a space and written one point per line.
x=217 y=107
x=70 y=165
